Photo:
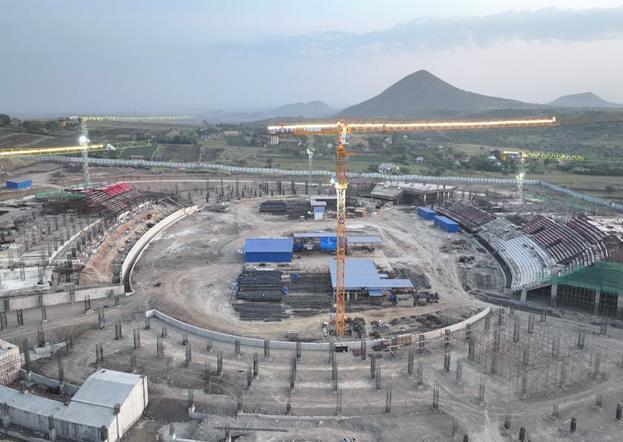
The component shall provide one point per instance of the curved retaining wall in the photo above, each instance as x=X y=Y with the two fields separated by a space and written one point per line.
x=313 y=346
x=139 y=246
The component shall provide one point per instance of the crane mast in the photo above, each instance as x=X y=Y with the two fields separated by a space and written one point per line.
x=341 y=184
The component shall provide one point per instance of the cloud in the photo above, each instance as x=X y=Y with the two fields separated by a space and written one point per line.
x=543 y=25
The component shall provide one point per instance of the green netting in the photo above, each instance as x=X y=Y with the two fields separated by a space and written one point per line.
x=604 y=276
x=58 y=194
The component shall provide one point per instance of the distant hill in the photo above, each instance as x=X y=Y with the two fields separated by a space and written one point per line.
x=422 y=92
x=313 y=109
x=586 y=99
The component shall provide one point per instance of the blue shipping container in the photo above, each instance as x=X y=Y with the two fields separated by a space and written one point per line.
x=426 y=213
x=19 y=185
x=268 y=250
x=446 y=224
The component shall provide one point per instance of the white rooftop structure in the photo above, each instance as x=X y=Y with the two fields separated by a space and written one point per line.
x=104 y=408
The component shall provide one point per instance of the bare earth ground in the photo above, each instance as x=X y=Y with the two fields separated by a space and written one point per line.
x=196 y=260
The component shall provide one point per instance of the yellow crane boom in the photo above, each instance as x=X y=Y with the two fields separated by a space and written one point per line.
x=342 y=131
x=60 y=150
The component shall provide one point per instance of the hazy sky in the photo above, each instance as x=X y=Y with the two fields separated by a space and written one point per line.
x=187 y=55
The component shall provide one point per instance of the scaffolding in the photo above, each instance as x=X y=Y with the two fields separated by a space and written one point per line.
x=536 y=361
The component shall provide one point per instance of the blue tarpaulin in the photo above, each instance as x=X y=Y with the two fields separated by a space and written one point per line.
x=327 y=243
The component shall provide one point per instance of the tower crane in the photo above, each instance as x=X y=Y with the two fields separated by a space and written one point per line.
x=342 y=131
x=83 y=140
x=522 y=156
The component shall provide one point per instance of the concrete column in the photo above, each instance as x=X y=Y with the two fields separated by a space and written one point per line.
x=553 y=294
x=596 y=305
x=6 y=419
x=524 y=295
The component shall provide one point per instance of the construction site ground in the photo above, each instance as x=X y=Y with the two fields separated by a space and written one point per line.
x=363 y=413
x=187 y=271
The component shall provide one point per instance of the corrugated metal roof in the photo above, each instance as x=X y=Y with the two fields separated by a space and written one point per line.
x=270 y=245
x=364 y=239
x=30 y=402
x=362 y=273
x=373 y=239
x=93 y=404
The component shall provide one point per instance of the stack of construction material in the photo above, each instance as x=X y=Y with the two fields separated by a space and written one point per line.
x=260 y=286
x=259 y=312
x=310 y=282
x=274 y=207
x=294 y=208
x=309 y=293
x=297 y=209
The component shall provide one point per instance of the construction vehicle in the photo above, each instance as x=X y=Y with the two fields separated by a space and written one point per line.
x=342 y=131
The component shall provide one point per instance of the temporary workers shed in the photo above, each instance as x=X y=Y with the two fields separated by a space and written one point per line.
x=426 y=213
x=361 y=275
x=268 y=250
x=103 y=409
x=446 y=224
x=19 y=184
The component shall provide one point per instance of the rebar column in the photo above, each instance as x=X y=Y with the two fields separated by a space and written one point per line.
x=159 y=348
x=481 y=390
x=581 y=339
x=26 y=353
x=372 y=368
x=219 y=363
x=388 y=399
x=436 y=396
x=338 y=403
x=188 y=355
x=447 y=358
x=137 y=337
x=256 y=364
x=516 y=329
x=419 y=375
x=266 y=348
x=61 y=367
x=237 y=347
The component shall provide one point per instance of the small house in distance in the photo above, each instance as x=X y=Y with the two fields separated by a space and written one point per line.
x=389 y=168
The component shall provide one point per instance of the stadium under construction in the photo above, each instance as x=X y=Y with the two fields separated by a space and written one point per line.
x=219 y=294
